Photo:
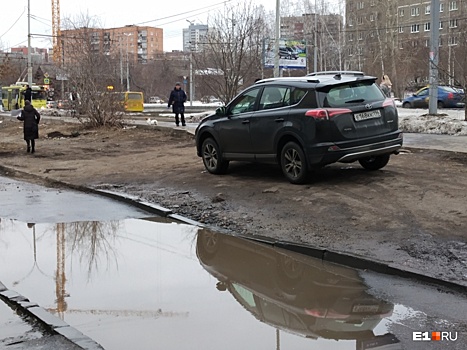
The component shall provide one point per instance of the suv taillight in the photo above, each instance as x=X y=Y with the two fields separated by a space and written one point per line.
x=326 y=113
x=389 y=102
x=450 y=96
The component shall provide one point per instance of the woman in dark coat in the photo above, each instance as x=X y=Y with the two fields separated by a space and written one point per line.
x=30 y=117
x=176 y=100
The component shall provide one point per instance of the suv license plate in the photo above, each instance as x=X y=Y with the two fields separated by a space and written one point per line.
x=367 y=115
x=365 y=308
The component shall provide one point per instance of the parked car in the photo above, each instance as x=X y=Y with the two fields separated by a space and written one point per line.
x=52 y=104
x=448 y=97
x=155 y=99
x=302 y=123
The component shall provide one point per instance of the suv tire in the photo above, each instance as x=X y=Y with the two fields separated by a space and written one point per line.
x=294 y=164
x=375 y=162
x=212 y=157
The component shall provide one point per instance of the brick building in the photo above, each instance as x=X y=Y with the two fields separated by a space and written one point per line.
x=393 y=37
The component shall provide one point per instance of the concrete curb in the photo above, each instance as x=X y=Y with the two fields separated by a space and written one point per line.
x=47 y=320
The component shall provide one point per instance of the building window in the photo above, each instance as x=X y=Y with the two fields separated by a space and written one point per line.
x=350 y=23
x=360 y=20
x=401 y=45
x=415 y=28
x=440 y=41
x=351 y=37
x=415 y=11
x=427 y=9
x=360 y=36
x=440 y=25
x=360 y=5
x=453 y=6
x=427 y=43
x=453 y=23
x=372 y=17
x=452 y=41
x=427 y=26
x=401 y=29
x=372 y=3
x=414 y=43
x=441 y=7
x=401 y=12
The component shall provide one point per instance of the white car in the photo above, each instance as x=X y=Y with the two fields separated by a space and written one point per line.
x=155 y=99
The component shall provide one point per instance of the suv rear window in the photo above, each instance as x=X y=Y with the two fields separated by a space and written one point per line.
x=351 y=93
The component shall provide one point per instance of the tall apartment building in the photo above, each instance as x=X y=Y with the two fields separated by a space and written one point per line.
x=139 y=44
x=393 y=37
x=328 y=29
x=193 y=37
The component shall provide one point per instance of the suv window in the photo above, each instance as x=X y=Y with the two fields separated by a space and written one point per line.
x=244 y=103
x=274 y=97
x=297 y=95
x=346 y=94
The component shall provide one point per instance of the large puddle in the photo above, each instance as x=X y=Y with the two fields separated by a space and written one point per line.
x=147 y=284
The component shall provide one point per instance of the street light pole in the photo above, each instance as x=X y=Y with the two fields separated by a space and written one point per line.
x=191 y=66
x=276 y=46
x=434 y=57
x=127 y=63
x=29 y=45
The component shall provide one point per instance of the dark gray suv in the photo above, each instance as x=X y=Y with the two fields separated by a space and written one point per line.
x=303 y=123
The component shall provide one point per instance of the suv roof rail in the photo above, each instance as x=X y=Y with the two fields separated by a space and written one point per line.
x=338 y=72
x=302 y=78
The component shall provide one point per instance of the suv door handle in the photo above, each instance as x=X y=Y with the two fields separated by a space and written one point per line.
x=279 y=120
x=246 y=121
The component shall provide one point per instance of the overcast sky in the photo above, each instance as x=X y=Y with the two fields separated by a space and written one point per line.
x=171 y=16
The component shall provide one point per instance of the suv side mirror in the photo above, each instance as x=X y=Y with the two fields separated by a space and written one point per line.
x=221 y=111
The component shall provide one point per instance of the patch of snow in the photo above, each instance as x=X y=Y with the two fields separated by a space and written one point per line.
x=448 y=122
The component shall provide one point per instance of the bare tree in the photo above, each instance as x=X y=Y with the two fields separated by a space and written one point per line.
x=231 y=53
x=90 y=72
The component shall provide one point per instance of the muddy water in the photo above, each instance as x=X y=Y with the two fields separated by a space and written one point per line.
x=156 y=284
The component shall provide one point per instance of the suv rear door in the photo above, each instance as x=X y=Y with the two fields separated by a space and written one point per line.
x=269 y=119
x=358 y=109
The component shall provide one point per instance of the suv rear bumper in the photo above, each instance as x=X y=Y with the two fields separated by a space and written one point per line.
x=349 y=151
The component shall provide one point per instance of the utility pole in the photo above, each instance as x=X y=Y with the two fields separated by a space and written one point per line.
x=315 y=48
x=276 y=46
x=29 y=45
x=192 y=94
x=434 y=57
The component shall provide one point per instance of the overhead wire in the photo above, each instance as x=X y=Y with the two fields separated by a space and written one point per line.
x=13 y=23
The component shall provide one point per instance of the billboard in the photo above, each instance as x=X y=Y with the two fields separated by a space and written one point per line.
x=292 y=54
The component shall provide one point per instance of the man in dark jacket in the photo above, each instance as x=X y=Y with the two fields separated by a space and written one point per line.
x=176 y=100
x=28 y=94
x=30 y=117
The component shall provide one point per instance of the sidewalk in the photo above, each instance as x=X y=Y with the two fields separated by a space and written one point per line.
x=436 y=142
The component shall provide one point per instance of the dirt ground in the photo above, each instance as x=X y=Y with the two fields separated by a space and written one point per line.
x=412 y=213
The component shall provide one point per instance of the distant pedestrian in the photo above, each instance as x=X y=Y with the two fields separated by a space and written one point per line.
x=176 y=100
x=386 y=85
x=28 y=94
x=30 y=117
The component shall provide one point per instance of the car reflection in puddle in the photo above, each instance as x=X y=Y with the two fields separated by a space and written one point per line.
x=296 y=293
